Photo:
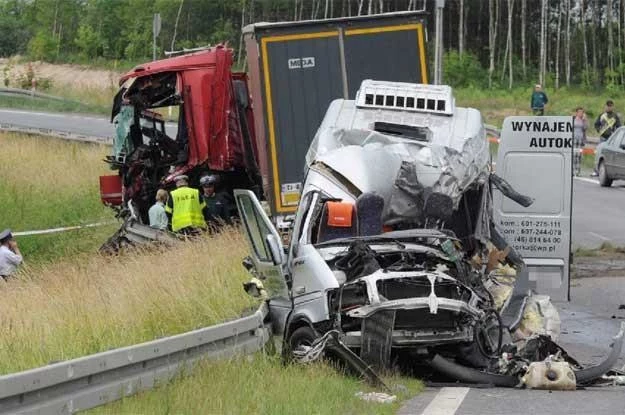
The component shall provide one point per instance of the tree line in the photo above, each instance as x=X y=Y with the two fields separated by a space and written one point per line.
x=487 y=43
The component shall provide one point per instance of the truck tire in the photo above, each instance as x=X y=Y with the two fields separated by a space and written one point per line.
x=604 y=180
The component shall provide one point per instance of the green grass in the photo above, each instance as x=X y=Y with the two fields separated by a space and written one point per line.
x=605 y=250
x=260 y=384
x=496 y=104
x=50 y=183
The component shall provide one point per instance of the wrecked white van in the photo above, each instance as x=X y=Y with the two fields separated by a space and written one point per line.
x=393 y=250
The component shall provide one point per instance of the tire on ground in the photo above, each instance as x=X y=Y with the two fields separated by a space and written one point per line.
x=302 y=336
x=604 y=180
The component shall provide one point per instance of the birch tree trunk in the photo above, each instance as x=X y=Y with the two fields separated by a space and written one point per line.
x=523 y=23
x=461 y=29
x=618 y=40
x=583 y=24
x=594 y=26
x=509 y=47
x=173 y=39
x=543 y=55
x=610 y=37
x=240 y=49
x=621 y=9
x=492 y=37
x=567 y=49
x=558 y=44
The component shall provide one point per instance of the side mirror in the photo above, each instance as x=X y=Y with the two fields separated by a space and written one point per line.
x=622 y=146
x=274 y=249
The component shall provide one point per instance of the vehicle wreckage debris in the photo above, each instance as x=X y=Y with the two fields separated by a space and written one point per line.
x=376 y=397
x=395 y=258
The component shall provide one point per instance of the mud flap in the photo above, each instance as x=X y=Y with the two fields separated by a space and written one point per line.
x=376 y=339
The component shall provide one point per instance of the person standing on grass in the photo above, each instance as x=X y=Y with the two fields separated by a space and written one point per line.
x=580 y=125
x=539 y=100
x=10 y=255
x=158 y=217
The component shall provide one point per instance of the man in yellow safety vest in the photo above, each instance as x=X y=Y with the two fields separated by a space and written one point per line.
x=185 y=207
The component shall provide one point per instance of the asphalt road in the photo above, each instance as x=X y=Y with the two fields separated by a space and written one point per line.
x=77 y=124
x=598 y=213
x=92 y=126
x=589 y=321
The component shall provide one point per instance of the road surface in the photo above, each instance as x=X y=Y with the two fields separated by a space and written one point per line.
x=598 y=213
x=73 y=123
x=76 y=124
x=588 y=323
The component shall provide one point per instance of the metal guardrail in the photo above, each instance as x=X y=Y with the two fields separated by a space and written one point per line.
x=91 y=381
x=35 y=94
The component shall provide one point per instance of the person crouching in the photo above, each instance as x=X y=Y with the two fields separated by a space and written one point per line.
x=10 y=255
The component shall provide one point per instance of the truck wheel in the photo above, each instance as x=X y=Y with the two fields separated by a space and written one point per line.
x=604 y=180
x=302 y=336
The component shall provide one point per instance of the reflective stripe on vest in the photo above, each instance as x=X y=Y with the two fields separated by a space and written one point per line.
x=608 y=122
x=186 y=209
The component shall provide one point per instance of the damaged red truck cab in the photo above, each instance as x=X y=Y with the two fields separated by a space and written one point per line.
x=214 y=131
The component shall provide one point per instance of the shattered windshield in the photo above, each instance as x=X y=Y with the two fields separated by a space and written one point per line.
x=147 y=110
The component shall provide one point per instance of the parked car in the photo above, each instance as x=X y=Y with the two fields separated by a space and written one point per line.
x=610 y=158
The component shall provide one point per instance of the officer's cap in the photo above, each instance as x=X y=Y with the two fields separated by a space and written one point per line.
x=181 y=177
x=5 y=235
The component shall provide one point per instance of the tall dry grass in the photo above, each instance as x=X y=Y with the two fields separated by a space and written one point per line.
x=84 y=305
x=48 y=183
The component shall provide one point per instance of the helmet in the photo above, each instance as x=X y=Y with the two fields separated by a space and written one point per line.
x=210 y=179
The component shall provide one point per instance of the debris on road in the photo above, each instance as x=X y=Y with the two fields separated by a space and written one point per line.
x=377 y=397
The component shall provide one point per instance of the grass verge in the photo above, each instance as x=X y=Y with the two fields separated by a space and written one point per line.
x=88 y=303
x=496 y=104
x=49 y=183
x=605 y=250
x=260 y=384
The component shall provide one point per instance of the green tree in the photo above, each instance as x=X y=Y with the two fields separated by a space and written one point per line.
x=88 y=41
x=43 y=47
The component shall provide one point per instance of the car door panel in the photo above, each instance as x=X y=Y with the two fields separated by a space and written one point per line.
x=261 y=235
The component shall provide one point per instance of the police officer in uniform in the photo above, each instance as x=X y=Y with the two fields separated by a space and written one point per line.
x=217 y=204
x=185 y=207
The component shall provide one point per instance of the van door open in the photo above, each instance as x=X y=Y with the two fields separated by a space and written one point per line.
x=535 y=157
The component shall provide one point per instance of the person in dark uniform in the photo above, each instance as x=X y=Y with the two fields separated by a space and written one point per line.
x=217 y=204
